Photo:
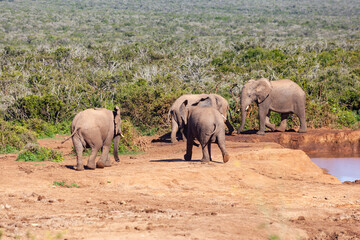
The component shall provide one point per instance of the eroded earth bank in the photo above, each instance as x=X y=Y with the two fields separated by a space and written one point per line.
x=265 y=191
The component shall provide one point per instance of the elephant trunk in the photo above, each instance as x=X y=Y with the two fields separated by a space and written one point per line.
x=245 y=103
x=116 y=147
x=243 y=118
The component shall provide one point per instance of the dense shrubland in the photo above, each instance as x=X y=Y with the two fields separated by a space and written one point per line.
x=60 y=57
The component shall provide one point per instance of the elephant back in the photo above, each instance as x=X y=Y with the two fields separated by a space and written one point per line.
x=93 y=118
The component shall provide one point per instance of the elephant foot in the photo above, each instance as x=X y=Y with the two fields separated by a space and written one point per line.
x=260 y=132
x=79 y=168
x=226 y=158
x=107 y=165
x=272 y=127
x=187 y=157
x=203 y=161
x=90 y=167
x=281 y=129
x=302 y=131
x=238 y=131
x=100 y=164
x=117 y=160
x=174 y=141
x=230 y=132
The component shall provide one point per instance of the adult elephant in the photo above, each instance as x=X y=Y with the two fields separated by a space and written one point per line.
x=96 y=128
x=217 y=101
x=282 y=96
x=206 y=124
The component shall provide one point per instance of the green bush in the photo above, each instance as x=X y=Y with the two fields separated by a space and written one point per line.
x=42 y=128
x=36 y=153
x=47 y=108
x=13 y=137
x=345 y=118
x=127 y=143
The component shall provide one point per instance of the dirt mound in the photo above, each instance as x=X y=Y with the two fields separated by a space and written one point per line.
x=314 y=141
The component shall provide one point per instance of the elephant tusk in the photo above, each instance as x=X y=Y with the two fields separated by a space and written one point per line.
x=247 y=107
x=121 y=135
x=223 y=116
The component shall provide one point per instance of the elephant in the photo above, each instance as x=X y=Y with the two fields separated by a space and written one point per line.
x=177 y=123
x=96 y=128
x=282 y=96
x=206 y=124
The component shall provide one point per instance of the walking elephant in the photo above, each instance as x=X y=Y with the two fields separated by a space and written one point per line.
x=282 y=96
x=177 y=123
x=206 y=124
x=96 y=128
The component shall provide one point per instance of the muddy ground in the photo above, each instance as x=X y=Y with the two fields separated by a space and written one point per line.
x=265 y=191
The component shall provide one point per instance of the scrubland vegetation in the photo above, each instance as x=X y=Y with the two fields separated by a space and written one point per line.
x=59 y=57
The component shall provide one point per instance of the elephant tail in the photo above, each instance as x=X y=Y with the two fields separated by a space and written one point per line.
x=75 y=131
x=215 y=127
x=168 y=120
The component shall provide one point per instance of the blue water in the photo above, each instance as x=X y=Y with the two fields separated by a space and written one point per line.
x=345 y=169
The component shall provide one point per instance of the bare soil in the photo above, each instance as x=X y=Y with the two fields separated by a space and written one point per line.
x=265 y=191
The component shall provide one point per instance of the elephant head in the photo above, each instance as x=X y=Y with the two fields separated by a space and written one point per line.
x=185 y=108
x=253 y=90
x=117 y=132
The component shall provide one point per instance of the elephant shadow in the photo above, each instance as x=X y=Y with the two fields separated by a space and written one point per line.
x=181 y=160
x=72 y=167
x=166 y=138
x=254 y=131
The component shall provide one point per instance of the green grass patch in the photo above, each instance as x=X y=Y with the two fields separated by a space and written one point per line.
x=274 y=237
x=64 y=184
x=8 y=149
x=131 y=152
x=36 y=153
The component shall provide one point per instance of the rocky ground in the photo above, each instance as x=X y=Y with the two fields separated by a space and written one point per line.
x=265 y=191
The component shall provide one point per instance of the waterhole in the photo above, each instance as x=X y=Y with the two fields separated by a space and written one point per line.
x=344 y=168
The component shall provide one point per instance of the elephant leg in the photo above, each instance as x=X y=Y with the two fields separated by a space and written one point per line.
x=221 y=143
x=79 y=148
x=182 y=134
x=205 y=151
x=189 y=146
x=91 y=161
x=209 y=150
x=262 y=117
x=268 y=123
x=104 y=158
x=302 y=118
x=174 y=129
x=283 y=124
x=229 y=126
x=116 y=148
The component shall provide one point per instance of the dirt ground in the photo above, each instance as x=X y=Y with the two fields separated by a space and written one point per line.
x=265 y=191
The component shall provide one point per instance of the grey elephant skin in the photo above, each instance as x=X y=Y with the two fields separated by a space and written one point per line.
x=206 y=124
x=177 y=124
x=282 y=96
x=96 y=128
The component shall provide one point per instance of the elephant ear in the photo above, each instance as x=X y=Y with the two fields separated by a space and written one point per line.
x=220 y=104
x=263 y=89
x=117 y=120
x=203 y=102
x=184 y=111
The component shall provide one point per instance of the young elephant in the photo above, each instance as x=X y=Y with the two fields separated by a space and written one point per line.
x=206 y=124
x=96 y=128
x=217 y=101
